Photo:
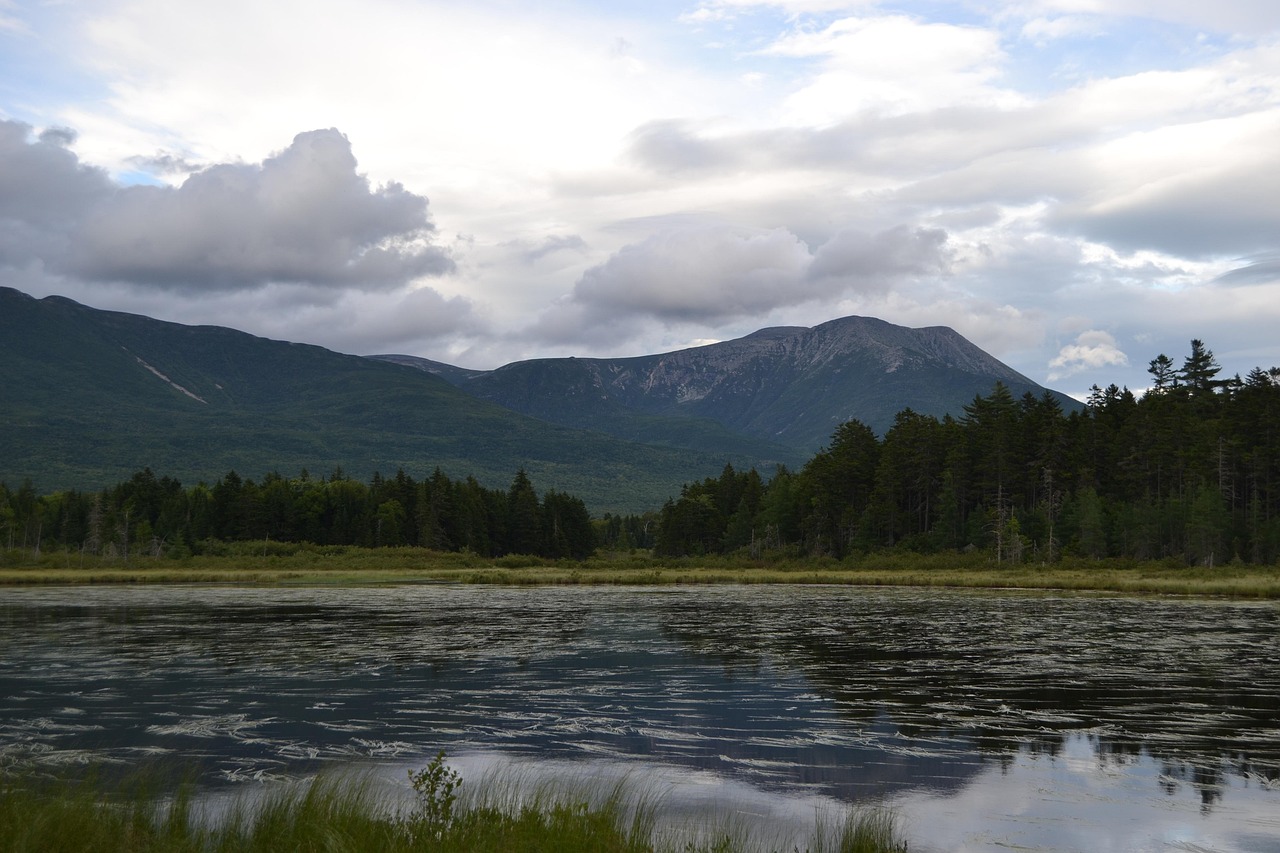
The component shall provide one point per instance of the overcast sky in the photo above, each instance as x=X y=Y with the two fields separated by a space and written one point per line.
x=1075 y=185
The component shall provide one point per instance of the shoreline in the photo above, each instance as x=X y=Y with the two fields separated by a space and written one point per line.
x=312 y=566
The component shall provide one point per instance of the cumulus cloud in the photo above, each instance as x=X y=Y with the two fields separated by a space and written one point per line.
x=1092 y=349
x=699 y=273
x=303 y=216
x=715 y=273
x=44 y=191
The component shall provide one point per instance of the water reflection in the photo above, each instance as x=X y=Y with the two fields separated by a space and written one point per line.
x=929 y=698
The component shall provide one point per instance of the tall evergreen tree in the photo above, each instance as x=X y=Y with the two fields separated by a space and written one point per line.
x=524 y=522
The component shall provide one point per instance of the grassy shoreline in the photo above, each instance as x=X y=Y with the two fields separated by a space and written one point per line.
x=281 y=564
x=339 y=813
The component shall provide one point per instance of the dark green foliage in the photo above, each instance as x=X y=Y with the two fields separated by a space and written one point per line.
x=91 y=396
x=1191 y=471
x=626 y=533
x=150 y=516
x=840 y=479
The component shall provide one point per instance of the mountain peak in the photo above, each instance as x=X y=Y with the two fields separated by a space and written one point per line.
x=791 y=385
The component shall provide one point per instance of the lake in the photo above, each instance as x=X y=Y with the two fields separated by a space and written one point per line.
x=987 y=721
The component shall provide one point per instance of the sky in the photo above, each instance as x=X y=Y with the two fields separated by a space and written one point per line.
x=1076 y=186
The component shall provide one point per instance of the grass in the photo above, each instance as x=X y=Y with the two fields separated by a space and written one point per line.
x=336 y=815
x=276 y=563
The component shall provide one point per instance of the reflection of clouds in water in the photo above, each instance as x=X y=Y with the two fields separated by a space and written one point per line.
x=777 y=698
x=1076 y=802
x=689 y=805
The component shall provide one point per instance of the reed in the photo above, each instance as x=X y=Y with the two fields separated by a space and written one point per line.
x=275 y=563
x=334 y=814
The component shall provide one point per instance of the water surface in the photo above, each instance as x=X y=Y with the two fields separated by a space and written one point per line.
x=987 y=720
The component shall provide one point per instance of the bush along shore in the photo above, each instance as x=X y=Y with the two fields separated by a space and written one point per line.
x=335 y=815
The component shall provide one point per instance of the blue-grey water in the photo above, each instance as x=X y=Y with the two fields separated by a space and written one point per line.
x=988 y=721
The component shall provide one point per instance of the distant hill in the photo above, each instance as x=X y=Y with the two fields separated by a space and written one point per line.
x=789 y=386
x=87 y=397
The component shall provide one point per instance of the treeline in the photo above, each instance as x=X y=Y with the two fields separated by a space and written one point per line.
x=156 y=515
x=1191 y=470
x=1188 y=471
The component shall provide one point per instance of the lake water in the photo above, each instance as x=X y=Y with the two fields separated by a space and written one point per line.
x=988 y=721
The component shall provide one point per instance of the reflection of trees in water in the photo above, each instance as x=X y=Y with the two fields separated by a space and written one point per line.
x=288 y=636
x=1192 y=685
x=958 y=675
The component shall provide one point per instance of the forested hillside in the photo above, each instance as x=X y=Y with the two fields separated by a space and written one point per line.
x=92 y=396
x=1191 y=471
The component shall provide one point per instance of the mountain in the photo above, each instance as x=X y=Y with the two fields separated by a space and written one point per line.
x=88 y=397
x=788 y=386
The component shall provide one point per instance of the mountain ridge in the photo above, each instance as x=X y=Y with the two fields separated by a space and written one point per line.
x=788 y=385
x=89 y=397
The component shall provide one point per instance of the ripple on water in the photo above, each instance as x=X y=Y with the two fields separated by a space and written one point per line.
x=928 y=698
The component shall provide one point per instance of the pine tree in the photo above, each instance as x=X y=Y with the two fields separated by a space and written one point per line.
x=524 y=524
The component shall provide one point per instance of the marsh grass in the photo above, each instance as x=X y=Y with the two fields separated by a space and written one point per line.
x=354 y=814
x=282 y=564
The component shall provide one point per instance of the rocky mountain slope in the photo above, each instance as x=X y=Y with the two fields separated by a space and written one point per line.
x=790 y=386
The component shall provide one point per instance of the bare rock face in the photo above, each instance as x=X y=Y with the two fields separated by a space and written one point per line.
x=789 y=385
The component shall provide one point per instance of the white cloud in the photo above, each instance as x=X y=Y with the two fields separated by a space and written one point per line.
x=714 y=273
x=620 y=181
x=1092 y=349
x=891 y=66
x=304 y=215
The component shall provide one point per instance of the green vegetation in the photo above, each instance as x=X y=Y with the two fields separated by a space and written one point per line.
x=1190 y=472
x=89 y=397
x=154 y=516
x=284 y=563
x=325 y=815
x=1188 y=475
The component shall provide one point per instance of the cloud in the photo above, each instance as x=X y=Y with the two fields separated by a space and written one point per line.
x=724 y=10
x=1264 y=269
x=698 y=274
x=610 y=175
x=1092 y=349
x=892 y=65
x=534 y=252
x=1159 y=191
x=44 y=191
x=714 y=273
x=62 y=137
x=164 y=163
x=870 y=261
x=302 y=216
x=674 y=146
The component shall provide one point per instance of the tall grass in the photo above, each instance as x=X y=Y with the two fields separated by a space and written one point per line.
x=276 y=563
x=354 y=815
